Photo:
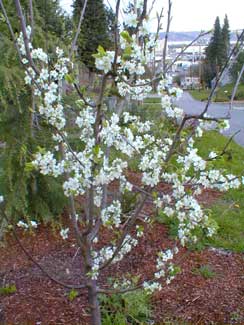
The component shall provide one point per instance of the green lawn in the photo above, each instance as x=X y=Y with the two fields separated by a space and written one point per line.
x=223 y=94
x=228 y=211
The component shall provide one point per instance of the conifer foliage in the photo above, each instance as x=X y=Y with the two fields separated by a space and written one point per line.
x=27 y=194
x=95 y=30
x=217 y=50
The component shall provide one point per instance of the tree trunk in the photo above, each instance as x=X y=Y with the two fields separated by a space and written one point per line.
x=94 y=304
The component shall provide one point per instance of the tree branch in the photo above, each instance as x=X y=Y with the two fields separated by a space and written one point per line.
x=25 y=37
x=185 y=48
x=235 y=89
x=73 y=45
x=169 y=18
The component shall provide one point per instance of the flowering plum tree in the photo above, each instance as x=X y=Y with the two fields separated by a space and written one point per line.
x=89 y=171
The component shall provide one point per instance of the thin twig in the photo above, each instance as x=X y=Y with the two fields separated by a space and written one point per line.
x=82 y=97
x=235 y=89
x=159 y=25
x=169 y=18
x=200 y=35
x=116 y=29
x=25 y=37
x=151 y=8
x=228 y=143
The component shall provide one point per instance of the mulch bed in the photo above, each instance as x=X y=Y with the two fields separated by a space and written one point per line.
x=190 y=297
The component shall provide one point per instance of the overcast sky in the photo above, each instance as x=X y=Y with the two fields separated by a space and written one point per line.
x=192 y=15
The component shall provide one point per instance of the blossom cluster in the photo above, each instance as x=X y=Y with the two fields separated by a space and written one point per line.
x=108 y=253
x=133 y=59
x=24 y=225
x=47 y=83
x=164 y=270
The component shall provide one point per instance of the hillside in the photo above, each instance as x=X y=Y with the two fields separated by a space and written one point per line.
x=189 y=36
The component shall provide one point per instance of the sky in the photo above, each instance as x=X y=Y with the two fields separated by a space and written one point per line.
x=195 y=15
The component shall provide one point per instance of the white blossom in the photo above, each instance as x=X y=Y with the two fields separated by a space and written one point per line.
x=64 y=233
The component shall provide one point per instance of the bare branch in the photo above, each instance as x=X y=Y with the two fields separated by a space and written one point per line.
x=25 y=37
x=169 y=18
x=116 y=29
x=82 y=97
x=119 y=291
x=73 y=45
x=159 y=25
x=185 y=48
x=235 y=89
x=226 y=145
x=99 y=107
x=151 y=8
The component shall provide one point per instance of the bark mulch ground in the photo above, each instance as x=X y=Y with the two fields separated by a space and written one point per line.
x=190 y=298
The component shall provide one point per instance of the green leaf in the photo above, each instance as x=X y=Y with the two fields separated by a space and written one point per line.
x=29 y=167
x=96 y=149
x=125 y=35
x=101 y=50
x=69 y=79
x=127 y=53
x=73 y=294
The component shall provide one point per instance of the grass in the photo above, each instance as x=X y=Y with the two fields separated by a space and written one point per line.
x=7 y=290
x=205 y=271
x=223 y=94
x=150 y=109
x=152 y=100
x=228 y=211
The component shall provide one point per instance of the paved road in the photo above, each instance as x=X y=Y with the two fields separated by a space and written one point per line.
x=191 y=105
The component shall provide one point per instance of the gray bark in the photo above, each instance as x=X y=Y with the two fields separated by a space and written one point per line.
x=94 y=304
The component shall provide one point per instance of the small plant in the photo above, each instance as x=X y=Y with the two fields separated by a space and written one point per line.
x=205 y=271
x=172 y=223
x=72 y=294
x=236 y=317
x=129 y=308
x=8 y=290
